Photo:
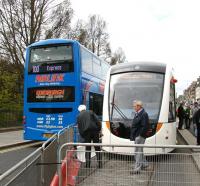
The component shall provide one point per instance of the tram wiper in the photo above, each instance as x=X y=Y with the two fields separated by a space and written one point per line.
x=114 y=106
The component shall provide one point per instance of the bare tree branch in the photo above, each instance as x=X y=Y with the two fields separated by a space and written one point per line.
x=24 y=22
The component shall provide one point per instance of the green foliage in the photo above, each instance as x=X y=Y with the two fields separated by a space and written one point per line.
x=11 y=103
x=11 y=86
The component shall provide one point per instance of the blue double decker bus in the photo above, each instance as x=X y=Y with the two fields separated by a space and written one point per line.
x=60 y=75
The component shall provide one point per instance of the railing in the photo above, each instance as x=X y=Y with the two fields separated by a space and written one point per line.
x=39 y=167
x=10 y=118
x=164 y=169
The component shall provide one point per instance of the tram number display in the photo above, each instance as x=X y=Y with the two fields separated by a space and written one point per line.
x=51 y=94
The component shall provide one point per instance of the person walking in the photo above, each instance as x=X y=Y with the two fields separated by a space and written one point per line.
x=181 y=115
x=139 y=128
x=197 y=121
x=194 y=109
x=187 y=117
x=89 y=128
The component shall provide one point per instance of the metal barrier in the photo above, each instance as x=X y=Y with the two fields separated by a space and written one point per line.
x=24 y=171
x=166 y=169
x=10 y=118
x=40 y=166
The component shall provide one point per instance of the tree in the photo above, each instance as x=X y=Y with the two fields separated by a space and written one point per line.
x=118 y=57
x=60 y=21
x=79 y=33
x=23 y=22
x=92 y=34
x=10 y=95
x=97 y=35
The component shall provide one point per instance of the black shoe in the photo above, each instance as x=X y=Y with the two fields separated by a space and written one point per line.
x=135 y=172
x=145 y=167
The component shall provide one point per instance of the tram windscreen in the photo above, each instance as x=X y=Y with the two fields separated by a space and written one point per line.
x=127 y=87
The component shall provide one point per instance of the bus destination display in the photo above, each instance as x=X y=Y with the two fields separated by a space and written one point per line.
x=51 y=94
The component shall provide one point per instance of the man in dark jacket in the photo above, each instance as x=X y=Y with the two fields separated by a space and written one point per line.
x=139 y=129
x=187 y=117
x=197 y=121
x=89 y=128
x=181 y=115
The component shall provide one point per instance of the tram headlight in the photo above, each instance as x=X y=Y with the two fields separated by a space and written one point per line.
x=108 y=125
x=159 y=125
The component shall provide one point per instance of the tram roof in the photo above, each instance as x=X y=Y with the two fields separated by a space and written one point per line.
x=138 y=67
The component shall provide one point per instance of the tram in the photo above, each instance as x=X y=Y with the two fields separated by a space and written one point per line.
x=153 y=84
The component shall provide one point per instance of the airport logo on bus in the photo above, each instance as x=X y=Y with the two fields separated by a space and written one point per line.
x=49 y=78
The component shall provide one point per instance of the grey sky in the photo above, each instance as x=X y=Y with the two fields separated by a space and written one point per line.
x=152 y=30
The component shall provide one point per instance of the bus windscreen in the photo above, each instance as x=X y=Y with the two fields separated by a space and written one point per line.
x=51 y=59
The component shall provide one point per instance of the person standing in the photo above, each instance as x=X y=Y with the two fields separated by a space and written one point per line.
x=197 y=121
x=89 y=128
x=139 y=128
x=181 y=115
x=194 y=109
x=187 y=117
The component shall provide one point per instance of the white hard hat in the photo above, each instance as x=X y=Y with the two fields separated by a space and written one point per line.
x=81 y=108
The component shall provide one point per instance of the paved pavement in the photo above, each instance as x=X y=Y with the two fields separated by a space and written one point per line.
x=190 y=139
x=11 y=137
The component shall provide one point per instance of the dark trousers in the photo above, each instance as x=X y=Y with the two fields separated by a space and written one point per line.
x=88 y=138
x=187 y=123
x=180 y=124
x=198 y=134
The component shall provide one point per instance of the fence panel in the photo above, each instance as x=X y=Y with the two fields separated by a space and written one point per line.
x=10 y=118
x=49 y=162
x=30 y=176
x=167 y=169
x=26 y=171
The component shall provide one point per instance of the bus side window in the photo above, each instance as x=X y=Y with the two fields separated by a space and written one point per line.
x=96 y=103
x=86 y=61
x=96 y=67
x=104 y=69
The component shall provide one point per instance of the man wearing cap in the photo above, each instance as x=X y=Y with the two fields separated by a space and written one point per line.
x=89 y=128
